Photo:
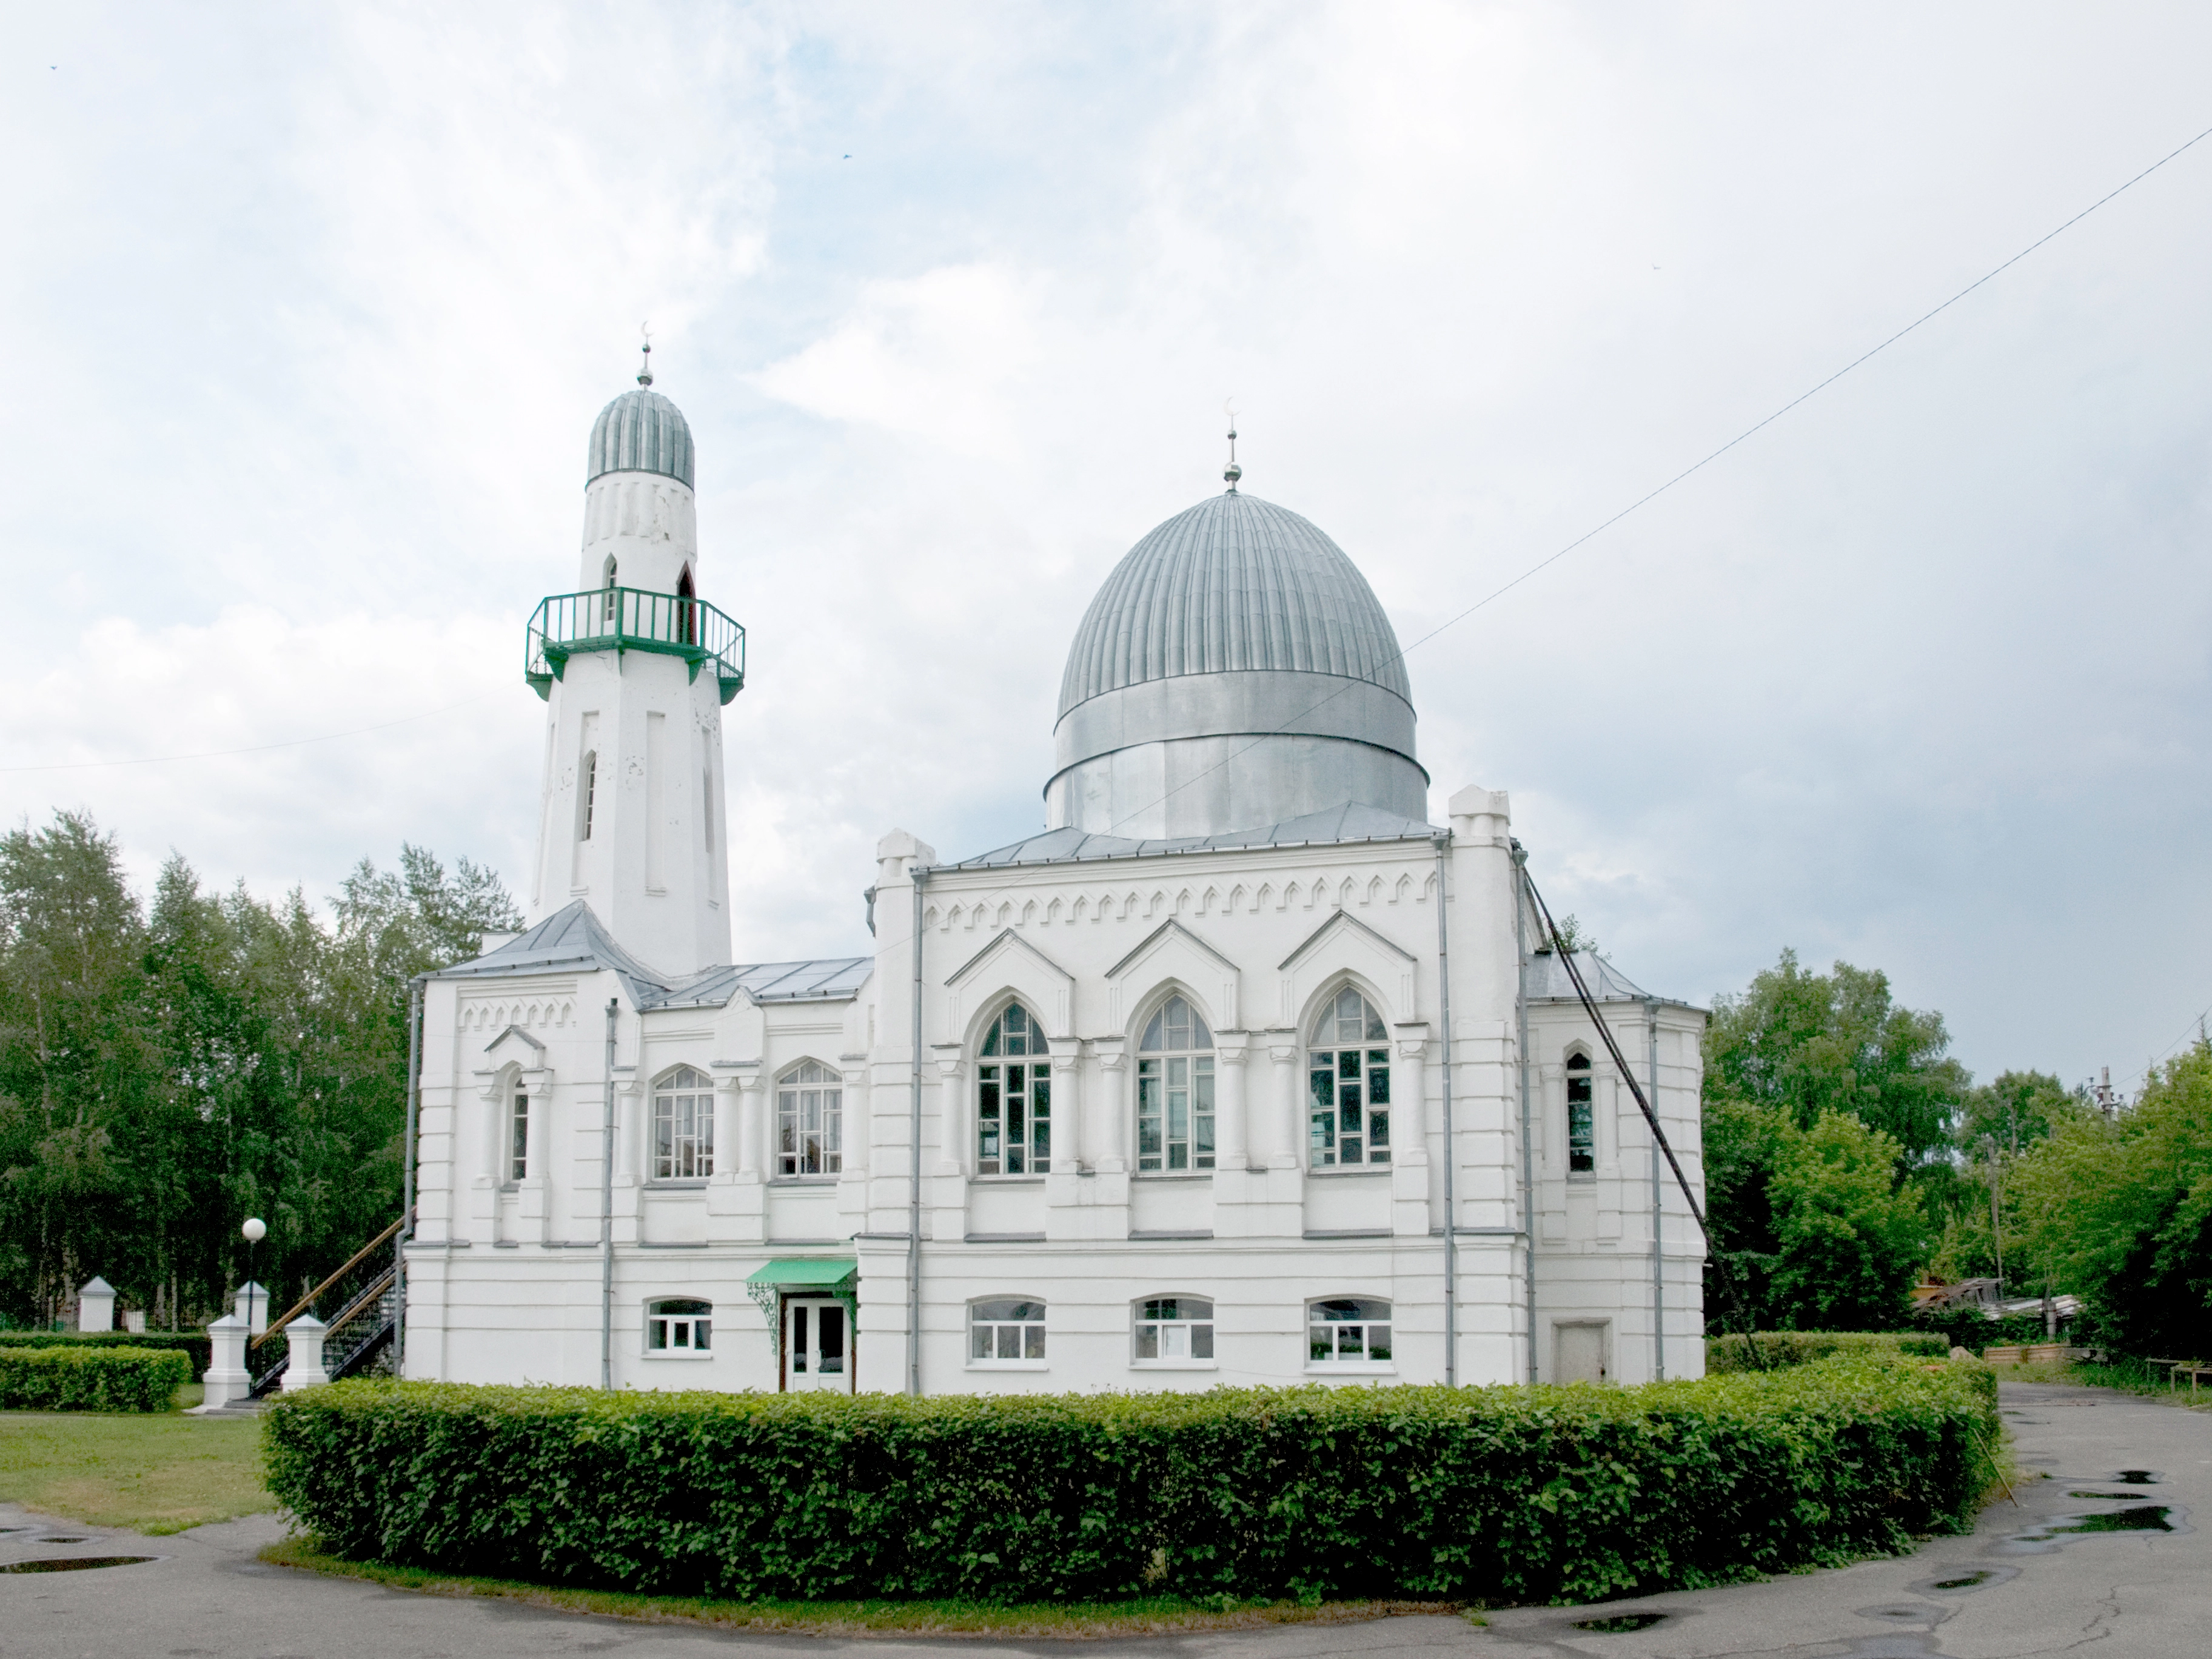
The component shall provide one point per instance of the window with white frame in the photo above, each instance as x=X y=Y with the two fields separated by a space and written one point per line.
x=1005 y=1331
x=1582 y=1117
x=1348 y=1084
x=1347 y=1330
x=517 y=1132
x=1174 y=1091
x=810 y=1115
x=683 y=1126
x=1170 y=1328
x=588 y=793
x=678 y=1326
x=1013 y=1098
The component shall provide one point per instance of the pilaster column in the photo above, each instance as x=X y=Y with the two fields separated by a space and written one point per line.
x=727 y=1139
x=1111 y=1133
x=1283 y=1137
x=1067 y=1157
x=752 y=1128
x=537 y=1085
x=854 y=1120
x=633 y=1156
x=956 y=1151
x=1232 y=1136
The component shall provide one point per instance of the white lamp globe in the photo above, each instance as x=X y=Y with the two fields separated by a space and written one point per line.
x=255 y=1229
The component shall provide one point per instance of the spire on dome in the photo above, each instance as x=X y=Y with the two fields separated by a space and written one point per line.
x=1232 y=471
x=645 y=368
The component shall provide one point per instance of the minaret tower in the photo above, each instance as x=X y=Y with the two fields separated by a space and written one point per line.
x=635 y=669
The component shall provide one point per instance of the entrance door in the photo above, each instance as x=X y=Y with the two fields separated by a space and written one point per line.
x=817 y=1343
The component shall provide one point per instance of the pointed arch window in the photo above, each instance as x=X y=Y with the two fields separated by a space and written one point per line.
x=1013 y=1097
x=683 y=1126
x=1582 y=1117
x=810 y=1118
x=1348 y=1084
x=518 y=1131
x=607 y=605
x=1174 y=1091
x=687 y=614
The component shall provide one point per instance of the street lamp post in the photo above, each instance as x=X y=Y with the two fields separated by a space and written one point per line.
x=254 y=1232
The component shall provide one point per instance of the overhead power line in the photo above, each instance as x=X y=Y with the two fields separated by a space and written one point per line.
x=1653 y=494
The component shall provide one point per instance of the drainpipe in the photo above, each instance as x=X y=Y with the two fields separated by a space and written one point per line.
x=415 y=993
x=1521 y=1053
x=607 y=1214
x=1451 y=1152
x=919 y=876
x=1658 y=1249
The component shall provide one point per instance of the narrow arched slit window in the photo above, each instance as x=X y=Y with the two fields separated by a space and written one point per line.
x=1174 y=1091
x=1582 y=1117
x=588 y=793
x=517 y=1133
x=607 y=606
x=687 y=614
x=1348 y=1084
x=1013 y=1097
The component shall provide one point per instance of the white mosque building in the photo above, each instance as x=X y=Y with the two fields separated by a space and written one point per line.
x=1243 y=1071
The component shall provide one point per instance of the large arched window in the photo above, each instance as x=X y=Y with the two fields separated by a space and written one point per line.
x=1347 y=1330
x=1582 y=1117
x=810 y=1121
x=1174 y=1091
x=1348 y=1079
x=1013 y=1097
x=679 y=1325
x=683 y=1126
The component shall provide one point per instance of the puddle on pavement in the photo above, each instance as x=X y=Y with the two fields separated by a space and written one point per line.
x=2135 y=1477
x=1973 y=1578
x=2108 y=1497
x=2044 y=1537
x=62 y=1538
x=77 y=1563
x=1620 y=1623
x=1924 y=1614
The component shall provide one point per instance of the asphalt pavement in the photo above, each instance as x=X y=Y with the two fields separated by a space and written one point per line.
x=2099 y=1554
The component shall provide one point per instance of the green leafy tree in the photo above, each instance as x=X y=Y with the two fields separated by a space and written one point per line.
x=2121 y=1212
x=2016 y=1112
x=1810 y=1043
x=1849 y=1241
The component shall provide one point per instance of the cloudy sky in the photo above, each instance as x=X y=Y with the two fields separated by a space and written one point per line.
x=309 y=311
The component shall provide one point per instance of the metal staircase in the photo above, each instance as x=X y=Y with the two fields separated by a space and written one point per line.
x=358 y=1334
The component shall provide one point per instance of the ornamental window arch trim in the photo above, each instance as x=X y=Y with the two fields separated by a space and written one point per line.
x=1173 y=1098
x=510 y=1095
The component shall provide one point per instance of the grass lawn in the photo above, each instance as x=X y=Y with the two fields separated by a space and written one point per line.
x=153 y=1474
x=1146 y=1616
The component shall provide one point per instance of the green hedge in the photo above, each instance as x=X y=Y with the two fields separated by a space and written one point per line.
x=195 y=1346
x=1504 y=1494
x=90 y=1379
x=1782 y=1348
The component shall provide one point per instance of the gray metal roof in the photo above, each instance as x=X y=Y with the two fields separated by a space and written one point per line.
x=1548 y=981
x=572 y=941
x=1339 y=823
x=641 y=432
x=1235 y=583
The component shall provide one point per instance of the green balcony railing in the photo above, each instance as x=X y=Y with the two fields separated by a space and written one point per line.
x=621 y=619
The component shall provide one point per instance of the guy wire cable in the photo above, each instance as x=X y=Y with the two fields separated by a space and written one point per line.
x=1651 y=1117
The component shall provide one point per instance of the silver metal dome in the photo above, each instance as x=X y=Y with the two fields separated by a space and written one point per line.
x=1235 y=670
x=641 y=432
x=1234 y=583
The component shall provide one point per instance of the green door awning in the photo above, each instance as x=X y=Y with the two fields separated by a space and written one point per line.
x=820 y=1271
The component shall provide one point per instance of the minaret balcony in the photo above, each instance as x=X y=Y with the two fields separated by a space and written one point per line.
x=620 y=619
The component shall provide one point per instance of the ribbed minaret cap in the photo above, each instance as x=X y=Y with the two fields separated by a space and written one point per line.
x=641 y=431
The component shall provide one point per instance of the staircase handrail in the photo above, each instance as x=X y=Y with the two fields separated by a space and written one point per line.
x=352 y=1262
